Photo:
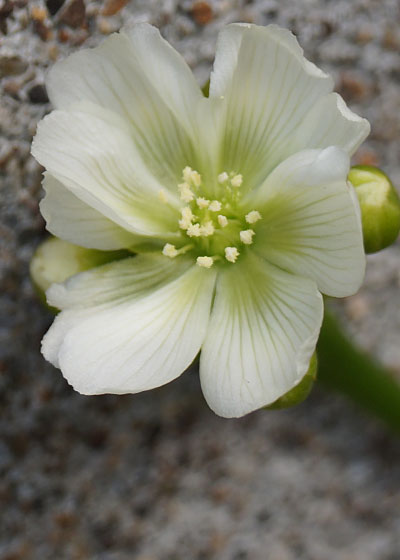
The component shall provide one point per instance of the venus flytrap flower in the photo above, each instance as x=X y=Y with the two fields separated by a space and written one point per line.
x=240 y=199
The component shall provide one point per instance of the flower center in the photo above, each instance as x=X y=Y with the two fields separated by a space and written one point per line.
x=214 y=230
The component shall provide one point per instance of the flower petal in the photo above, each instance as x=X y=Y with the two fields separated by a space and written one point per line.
x=263 y=330
x=96 y=159
x=311 y=224
x=131 y=325
x=136 y=74
x=71 y=219
x=329 y=123
x=268 y=87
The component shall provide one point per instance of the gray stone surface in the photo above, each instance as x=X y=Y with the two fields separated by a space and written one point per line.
x=157 y=476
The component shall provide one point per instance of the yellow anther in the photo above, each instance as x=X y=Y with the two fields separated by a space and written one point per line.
x=169 y=250
x=231 y=254
x=253 y=217
x=236 y=181
x=186 y=173
x=222 y=220
x=205 y=262
x=202 y=202
x=222 y=177
x=195 y=177
x=162 y=195
x=246 y=236
x=187 y=217
x=207 y=229
x=215 y=206
x=185 y=192
x=193 y=230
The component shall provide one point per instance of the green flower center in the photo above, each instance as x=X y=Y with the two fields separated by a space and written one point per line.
x=213 y=230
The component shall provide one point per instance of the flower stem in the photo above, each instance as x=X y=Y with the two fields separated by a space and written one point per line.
x=346 y=369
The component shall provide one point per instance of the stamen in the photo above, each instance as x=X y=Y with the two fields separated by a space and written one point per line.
x=231 y=254
x=205 y=262
x=222 y=177
x=185 y=192
x=186 y=173
x=253 y=217
x=246 y=236
x=195 y=177
x=222 y=220
x=236 y=181
x=162 y=195
x=169 y=250
x=202 y=202
x=207 y=229
x=215 y=206
x=193 y=230
x=187 y=217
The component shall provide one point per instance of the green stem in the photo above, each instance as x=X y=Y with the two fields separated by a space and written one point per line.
x=346 y=369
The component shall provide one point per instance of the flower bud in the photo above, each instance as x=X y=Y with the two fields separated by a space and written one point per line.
x=56 y=260
x=301 y=391
x=380 y=207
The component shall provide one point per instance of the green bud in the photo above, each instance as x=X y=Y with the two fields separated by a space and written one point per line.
x=56 y=260
x=301 y=391
x=380 y=207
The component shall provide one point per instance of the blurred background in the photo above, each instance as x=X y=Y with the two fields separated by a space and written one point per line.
x=158 y=476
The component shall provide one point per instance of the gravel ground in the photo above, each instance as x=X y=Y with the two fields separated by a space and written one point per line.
x=157 y=476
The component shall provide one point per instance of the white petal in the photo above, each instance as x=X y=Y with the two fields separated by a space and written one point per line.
x=131 y=325
x=71 y=219
x=136 y=74
x=263 y=330
x=97 y=161
x=268 y=87
x=165 y=69
x=329 y=123
x=310 y=224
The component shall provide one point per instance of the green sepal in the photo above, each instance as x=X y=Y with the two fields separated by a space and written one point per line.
x=380 y=207
x=301 y=391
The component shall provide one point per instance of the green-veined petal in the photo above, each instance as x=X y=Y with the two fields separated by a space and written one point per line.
x=268 y=87
x=95 y=158
x=263 y=330
x=71 y=219
x=311 y=223
x=277 y=102
x=129 y=326
x=156 y=98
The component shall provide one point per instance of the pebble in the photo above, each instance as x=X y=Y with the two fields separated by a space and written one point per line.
x=38 y=94
x=12 y=65
x=202 y=13
x=112 y=7
x=73 y=13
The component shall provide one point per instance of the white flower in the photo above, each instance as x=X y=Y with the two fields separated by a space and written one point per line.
x=270 y=147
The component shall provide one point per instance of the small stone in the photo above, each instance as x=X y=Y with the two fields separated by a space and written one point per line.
x=38 y=13
x=38 y=94
x=202 y=13
x=54 y=5
x=64 y=35
x=12 y=88
x=352 y=87
x=104 y=26
x=12 y=65
x=391 y=40
x=41 y=29
x=112 y=7
x=364 y=36
x=74 y=13
x=53 y=52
